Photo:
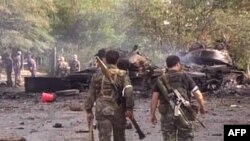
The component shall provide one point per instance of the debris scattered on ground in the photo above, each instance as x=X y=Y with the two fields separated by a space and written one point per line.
x=48 y=97
x=75 y=107
x=235 y=106
x=82 y=131
x=33 y=131
x=57 y=125
x=32 y=120
x=10 y=137
x=216 y=134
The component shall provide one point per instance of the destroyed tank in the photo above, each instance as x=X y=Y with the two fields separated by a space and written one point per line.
x=139 y=68
x=211 y=68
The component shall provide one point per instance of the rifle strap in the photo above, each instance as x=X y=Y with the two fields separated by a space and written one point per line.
x=165 y=80
x=103 y=83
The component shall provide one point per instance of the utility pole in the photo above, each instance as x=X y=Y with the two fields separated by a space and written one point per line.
x=54 y=60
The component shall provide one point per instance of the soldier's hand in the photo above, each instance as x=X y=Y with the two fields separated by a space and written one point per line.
x=90 y=118
x=153 y=119
x=129 y=113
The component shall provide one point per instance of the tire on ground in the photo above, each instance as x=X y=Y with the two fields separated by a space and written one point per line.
x=67 y=92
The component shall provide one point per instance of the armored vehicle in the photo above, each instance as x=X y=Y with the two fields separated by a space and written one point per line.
x=212 y=68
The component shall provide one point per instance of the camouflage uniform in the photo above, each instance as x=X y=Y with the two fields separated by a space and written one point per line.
x=32 y=66
x=62 y=68
x=170 y=128
x=8 y=63
x=17 y=66
x=109 y=115
x=74 y=66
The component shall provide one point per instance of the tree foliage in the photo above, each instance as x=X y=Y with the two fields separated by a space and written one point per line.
x=157 y=26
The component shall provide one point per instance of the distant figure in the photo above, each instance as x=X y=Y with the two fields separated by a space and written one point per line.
x=1 y=67
x=93 y=63
x=32 y=66
x=17 y=66
x=62 y=67
x=74 y=64
x=8 y=63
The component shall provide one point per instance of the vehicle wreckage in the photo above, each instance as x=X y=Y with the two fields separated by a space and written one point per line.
x=140 y=70
x=210 y=69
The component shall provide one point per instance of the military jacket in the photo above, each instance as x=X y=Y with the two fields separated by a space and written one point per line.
x=102 y=92
x=180 y=81
x=74 y=66
x=17 y=63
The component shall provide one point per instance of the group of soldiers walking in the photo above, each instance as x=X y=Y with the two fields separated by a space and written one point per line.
x=14 y=63
x=107 y=92
x=63 y=68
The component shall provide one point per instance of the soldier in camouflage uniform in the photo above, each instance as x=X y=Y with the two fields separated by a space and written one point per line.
x=62 y=67
x=171 y=129
x=74 y=64
x=17 y=65
x=109 y=114
x=8 y=63
x=32 y=65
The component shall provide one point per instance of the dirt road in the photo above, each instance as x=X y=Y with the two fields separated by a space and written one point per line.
x=25 y=115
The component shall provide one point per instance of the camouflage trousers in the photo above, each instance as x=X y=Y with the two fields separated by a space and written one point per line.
x=9 y=79
x=171 y=132
x=17 y=77
x=115 y=123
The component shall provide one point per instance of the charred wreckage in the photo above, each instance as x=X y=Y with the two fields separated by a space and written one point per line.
x=138 y=66
x=210 y=68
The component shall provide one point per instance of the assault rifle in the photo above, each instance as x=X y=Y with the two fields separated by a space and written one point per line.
x=167 y=90
x=181 y=100
x=107 y=74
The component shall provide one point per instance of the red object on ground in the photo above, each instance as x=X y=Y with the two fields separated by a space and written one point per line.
x=47 y=97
